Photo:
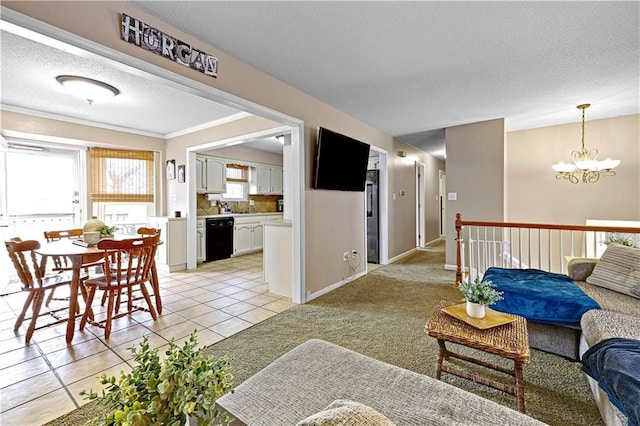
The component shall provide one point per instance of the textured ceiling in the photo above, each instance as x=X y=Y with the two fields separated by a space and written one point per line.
x=28 y=82
x=408 y=68
x=414 y=67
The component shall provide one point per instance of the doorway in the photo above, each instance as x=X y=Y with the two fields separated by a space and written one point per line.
x=376 y=231
x=185 y=84
x=45 y=191
x=443 y=204
x=420 y=204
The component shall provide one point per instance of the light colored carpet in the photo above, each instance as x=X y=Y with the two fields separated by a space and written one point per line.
x=382 y=315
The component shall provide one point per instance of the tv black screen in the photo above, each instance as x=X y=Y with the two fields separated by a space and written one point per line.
x=340 y=163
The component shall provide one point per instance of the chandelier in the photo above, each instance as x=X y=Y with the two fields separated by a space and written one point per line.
x=586 y=167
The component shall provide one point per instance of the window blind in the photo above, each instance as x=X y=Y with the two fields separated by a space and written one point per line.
x=121 y=176
x=237 y=173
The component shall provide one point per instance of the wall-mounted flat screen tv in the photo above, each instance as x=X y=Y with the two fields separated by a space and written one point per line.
x=340 y=162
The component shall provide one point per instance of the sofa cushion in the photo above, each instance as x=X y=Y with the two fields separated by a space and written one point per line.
x=343 y=412
x=618 y=269
x=307 y=378
x=610 y=300
x=599 y=325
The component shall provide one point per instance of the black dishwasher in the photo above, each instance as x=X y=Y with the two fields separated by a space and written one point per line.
x=219 y=238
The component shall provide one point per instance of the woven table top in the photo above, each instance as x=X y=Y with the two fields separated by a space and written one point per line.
x=509 y=340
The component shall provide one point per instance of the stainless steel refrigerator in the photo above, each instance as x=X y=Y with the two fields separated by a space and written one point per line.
x=373 y=217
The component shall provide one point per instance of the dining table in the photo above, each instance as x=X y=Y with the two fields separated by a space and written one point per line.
x=80 y=256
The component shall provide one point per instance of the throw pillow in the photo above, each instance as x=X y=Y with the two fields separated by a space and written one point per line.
x=618 y=269
x=343 y=412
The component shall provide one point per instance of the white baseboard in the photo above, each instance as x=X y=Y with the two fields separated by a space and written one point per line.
x=400 y=256
x=311 y=296
x=448 y=267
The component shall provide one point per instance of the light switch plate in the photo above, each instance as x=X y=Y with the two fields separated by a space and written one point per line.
x=452 y=196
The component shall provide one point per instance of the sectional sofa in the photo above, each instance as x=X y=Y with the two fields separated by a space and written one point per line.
x=614 y=282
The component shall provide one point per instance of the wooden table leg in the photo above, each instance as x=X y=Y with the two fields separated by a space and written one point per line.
x=73 y=297
x=519 y=374
x=442 y=354
x=155 y=282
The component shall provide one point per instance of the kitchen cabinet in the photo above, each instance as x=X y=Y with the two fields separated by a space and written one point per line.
x=267 y=180
x=201 y=240
x=201 y=177
x=210 y=175
x=247 y=237
x=171 y=255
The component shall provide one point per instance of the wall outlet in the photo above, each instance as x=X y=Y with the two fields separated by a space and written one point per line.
x=345 y=256
x=353 y=254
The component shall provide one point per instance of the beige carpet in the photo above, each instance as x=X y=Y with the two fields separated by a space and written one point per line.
x=382 y=315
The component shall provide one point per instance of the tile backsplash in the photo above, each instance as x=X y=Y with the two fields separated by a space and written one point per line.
x=261 y=204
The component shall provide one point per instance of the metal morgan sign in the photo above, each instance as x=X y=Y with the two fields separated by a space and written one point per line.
x=154 y=40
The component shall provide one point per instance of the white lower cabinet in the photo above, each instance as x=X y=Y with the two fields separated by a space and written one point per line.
x=247 y=238
x=248 y=234
x=201 y=247
x=242 y=238
x=171 y=255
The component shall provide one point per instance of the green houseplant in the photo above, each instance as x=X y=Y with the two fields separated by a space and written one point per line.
x=180 y=388
x=107 y=231
x=621 y=240
x=479 y=294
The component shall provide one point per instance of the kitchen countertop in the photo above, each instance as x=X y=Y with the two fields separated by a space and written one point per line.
x=285 y=223
x=239 y=215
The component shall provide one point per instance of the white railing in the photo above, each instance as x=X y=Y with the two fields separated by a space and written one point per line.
x=481 y=245
x=32 y=227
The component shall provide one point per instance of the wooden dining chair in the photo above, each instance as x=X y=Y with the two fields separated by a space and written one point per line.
x=155 y=283
x=155 y=280
x=35 y=284
x=127 y=265
x=64 y=263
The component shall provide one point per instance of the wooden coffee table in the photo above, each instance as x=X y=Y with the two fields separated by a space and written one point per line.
x=509 y=341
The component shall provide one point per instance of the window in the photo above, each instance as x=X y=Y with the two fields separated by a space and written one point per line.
x=121 y=176
x=237 y=180
x=122 y=187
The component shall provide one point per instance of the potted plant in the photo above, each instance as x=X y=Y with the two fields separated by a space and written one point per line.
x=180 y=389
x=621 y=240
x=107 y=231
x=479 y=294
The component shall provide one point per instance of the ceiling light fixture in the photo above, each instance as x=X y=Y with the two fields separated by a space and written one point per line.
x=87 y=88
x=585 y=163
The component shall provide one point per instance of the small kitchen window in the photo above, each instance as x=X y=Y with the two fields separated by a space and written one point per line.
x=237 y=180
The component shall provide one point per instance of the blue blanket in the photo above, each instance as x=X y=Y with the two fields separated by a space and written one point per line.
x=540 y=296
x=615 y=364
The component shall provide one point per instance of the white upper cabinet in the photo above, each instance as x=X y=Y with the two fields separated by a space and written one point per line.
x=201 y=177
x=216 y=175
x=276 y=180
x=266 y=180
x=210 y=175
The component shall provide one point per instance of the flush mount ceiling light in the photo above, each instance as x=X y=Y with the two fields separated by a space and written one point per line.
x=87 y=88
x=586 y=167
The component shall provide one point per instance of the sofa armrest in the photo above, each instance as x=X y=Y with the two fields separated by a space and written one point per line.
x=580 y=268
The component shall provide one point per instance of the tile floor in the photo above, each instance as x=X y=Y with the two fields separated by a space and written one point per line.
x=41 y=381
